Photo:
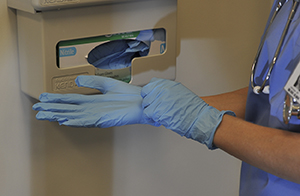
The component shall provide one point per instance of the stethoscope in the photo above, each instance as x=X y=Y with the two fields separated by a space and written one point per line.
x=291 y=107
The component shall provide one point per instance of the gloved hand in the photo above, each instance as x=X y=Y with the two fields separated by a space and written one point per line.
x=174 y=106
x=117 y=54
x=120 y=104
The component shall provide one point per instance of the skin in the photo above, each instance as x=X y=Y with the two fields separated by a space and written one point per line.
x=272 y=150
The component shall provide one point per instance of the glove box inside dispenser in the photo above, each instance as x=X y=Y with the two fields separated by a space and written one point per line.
x=55 y=39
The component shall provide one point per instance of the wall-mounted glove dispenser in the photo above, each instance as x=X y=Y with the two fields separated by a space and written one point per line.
x=130 y=40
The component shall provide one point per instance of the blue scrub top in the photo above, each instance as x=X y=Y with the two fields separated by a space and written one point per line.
x=267 y=110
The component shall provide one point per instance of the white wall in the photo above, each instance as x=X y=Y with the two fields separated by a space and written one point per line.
x=217 y=41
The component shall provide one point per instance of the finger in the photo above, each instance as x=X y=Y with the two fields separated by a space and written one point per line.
x=56 y=116
x=152 y=85
x=154 y=110
x=78 y=123
x=71 y=123
x=65 y=98
x=88 y=122
x=152 y=91
x=46 y=116
x=56 y=107
x=105 y=84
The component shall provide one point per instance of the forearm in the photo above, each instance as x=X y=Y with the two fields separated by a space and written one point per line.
x=272 y=150
x=234 y=101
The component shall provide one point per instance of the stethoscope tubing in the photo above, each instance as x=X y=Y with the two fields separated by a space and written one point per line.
x=258 y=89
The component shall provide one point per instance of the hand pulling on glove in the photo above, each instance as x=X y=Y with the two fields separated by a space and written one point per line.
x=161 y=102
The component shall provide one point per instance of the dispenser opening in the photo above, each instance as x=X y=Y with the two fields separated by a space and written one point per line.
x=111 y=54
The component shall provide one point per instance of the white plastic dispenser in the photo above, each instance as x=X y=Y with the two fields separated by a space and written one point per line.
x=56 y=38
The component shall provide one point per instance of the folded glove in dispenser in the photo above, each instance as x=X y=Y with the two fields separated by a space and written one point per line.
x=130 y=40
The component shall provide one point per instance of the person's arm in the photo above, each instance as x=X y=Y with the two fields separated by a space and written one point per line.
x=169 y=103
x=272 y=150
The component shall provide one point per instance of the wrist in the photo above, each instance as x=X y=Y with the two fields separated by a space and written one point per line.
x=206 y=124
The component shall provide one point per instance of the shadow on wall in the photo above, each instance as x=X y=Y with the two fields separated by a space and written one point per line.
x=68 y=161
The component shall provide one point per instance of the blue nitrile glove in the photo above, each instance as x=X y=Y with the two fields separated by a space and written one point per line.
x=174 y=106
x=117 y=54
x=120 y=104
x=148 y=36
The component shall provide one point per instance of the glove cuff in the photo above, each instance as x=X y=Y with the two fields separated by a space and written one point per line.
x=205 y=126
